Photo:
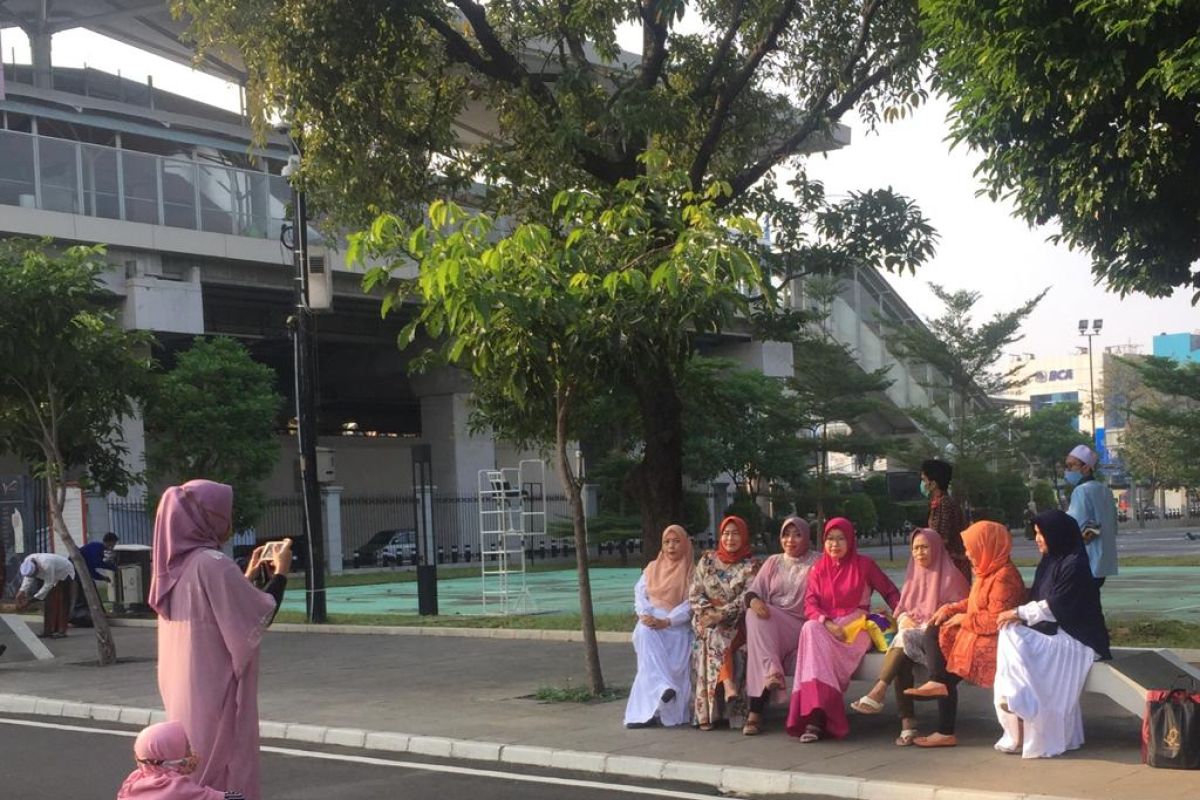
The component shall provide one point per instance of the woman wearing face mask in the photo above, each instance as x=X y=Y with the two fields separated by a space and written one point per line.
x=776 y=600
x=945 y=514
x=662 y=639
x=211 y=620
x=839 y=591
x=932 y=581
x=1047 y=646
x=718 y=599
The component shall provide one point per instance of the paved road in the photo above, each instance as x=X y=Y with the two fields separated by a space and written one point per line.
x=45 y=759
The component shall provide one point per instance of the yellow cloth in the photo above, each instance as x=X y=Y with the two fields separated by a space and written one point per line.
x=873 y=631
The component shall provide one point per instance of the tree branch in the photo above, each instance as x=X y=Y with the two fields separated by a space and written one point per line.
x=497 y=63
x=716 y=124
x=812 y=121
x=654 y=44
x=706 y=82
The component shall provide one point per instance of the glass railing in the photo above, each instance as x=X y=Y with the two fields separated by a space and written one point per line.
x=76 y=178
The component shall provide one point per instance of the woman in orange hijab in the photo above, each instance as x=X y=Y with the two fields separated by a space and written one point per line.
x=662 y=690
x=718 y=598
x=961 y=640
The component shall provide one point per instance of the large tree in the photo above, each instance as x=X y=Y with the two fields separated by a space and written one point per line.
x=1085 y=113
x=215 y=415
x=69 y=376
x=396 y=103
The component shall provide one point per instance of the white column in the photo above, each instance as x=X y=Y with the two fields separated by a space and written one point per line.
x=331 y=505
x=458 y=454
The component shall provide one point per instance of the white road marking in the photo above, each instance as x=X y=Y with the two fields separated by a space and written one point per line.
x=414 y=765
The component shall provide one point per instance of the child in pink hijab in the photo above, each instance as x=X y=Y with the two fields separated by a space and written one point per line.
x=165 y=763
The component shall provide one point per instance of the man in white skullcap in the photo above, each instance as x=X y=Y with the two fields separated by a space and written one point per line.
x=1093 y=507
x=56 y=574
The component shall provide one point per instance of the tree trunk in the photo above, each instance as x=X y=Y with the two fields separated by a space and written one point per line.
x=106 y=648
x=587 y=619
x=659 y=479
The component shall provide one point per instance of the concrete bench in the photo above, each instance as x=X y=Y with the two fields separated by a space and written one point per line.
x=1125 y=680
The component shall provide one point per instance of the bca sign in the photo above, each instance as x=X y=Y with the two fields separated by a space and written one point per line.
x=1054 y=375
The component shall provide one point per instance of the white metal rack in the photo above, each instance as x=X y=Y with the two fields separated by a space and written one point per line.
x=512 y=506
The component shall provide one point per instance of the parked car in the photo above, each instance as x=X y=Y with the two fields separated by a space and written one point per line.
x=388 y=547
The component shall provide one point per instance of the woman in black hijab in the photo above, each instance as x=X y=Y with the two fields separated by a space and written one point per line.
x=1041 y=664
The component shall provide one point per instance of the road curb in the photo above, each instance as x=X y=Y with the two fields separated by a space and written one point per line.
x=605 y=637
x=728 y=779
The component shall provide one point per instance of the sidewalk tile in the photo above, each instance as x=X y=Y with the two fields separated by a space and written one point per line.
x=438 y=746
x=48 y=707
x=834 y=785
x=755 y=781
x=892 y=790
x=577 y=760
x=346 y=737
x=135 y=716
x=305 y=733
x=634 y=766
x=526 y=755
x=476 y=751
x=272 y=730
x=391 y=742
x=706 y=774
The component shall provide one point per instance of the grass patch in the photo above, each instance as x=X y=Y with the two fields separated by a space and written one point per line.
x=579 y=694
x=1154 y=633
x=445 y=572
x=551 y=622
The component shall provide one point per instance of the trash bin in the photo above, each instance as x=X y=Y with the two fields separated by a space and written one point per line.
x=132 y=583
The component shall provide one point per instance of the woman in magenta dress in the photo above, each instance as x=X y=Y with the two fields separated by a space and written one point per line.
x=776 y=602
x=839 y=592
x=211 y=619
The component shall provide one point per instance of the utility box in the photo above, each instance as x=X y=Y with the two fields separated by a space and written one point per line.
x=132 y=584
x=325 y=467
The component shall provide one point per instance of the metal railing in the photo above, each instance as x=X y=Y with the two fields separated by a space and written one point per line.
x=52 y=174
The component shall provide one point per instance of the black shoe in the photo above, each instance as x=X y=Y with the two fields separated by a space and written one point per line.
x=3 y=647
x=668 y=695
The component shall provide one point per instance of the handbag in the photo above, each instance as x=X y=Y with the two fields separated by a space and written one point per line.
x=1171 y=728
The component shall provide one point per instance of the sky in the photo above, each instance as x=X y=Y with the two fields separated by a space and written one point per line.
x=981 y=246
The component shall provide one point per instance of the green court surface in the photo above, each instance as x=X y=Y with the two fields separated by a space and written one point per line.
x=1157 y=592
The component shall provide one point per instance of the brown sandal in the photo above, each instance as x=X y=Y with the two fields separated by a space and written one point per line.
x=753 y=726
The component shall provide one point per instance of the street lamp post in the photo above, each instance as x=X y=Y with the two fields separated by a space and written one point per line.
x=1097 y=324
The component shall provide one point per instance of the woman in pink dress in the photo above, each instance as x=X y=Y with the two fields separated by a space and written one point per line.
x=838 y=594
x=776 y=600
x=210 y=621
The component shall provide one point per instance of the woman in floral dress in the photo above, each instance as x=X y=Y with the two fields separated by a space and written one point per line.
x=718 y=600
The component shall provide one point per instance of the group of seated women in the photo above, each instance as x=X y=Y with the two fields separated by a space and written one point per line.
x=717 y=637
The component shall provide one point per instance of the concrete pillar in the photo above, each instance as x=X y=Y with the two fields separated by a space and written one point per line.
x=720 y=501
x=331 y=506
x=458 y=453
x=591 y=500
x=133 y=431
x=39 y=46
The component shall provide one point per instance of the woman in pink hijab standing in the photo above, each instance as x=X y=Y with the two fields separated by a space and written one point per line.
x=211 y=620
x=776 y=601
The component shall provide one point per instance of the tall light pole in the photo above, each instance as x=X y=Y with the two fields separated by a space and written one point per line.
x=1097 y=324
x=306 y=401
